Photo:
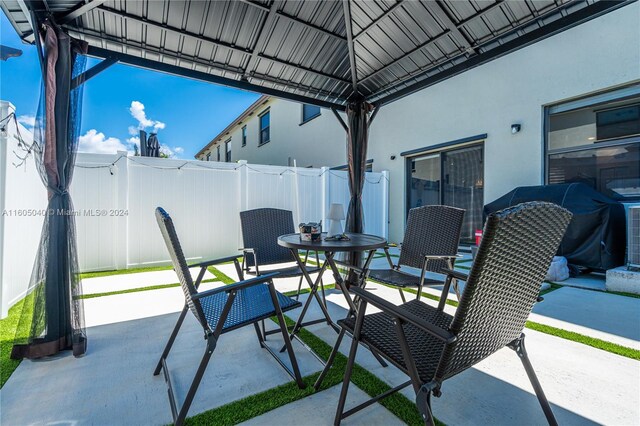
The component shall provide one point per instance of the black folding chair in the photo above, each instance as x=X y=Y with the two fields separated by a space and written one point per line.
x=430 y=244
x=260 y=231
x=221 y=310
x=431 y=346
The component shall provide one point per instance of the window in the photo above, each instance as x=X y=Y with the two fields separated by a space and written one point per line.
x=345 y=167
x=227 y=148
x=208 y=156
x=309 y=112
x=597 y=141
x=218 y=152
x=244 y=135
x=265 y=126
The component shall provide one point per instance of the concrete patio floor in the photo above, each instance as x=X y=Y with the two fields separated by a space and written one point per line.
x=113 y=383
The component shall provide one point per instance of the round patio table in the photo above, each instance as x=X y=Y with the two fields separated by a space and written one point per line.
x=356 y=243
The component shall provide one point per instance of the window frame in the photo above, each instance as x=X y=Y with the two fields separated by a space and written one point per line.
x=218 y=149
x=227 y=151
x=260 y=129
x=208 y=156
x=302 y=119
x=243 y=136
x=599 y=99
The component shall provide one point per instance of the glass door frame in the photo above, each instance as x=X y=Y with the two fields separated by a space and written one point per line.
x=476 y=141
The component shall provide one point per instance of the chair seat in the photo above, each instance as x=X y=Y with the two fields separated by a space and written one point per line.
x=250 y=305
x=400 y=278
x=288 y=272
x=378 y=331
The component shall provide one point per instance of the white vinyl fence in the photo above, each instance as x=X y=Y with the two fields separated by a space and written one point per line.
x=115 y=197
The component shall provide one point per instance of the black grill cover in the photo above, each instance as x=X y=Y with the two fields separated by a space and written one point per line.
x=596 y=236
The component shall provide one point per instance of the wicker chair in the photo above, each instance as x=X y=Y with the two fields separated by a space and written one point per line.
x=430 y=244
x=431 y=346
x=221 y=310
x=260 y=231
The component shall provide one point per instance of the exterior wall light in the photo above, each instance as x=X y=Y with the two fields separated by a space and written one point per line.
x=515 y=128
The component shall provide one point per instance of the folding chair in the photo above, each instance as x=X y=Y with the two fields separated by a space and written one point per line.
x=260 y=231
x=430 y=244
x=220 y=311
x=431 y=346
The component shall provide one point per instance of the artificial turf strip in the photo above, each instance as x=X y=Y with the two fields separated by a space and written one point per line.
x=135 y=290
x=99 y=274
x=8 y=328
x=255 y=405
x=585 y=340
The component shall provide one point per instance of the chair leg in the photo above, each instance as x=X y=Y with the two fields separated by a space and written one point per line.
x=347 y=379
x=172 y=338
x=182 y=414
x=402 y=295
x=518 y=346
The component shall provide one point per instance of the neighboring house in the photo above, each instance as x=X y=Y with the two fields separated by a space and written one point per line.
x=277 y=132
x=564 y=109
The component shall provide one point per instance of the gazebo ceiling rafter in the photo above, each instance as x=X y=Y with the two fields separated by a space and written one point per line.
x=313 y=52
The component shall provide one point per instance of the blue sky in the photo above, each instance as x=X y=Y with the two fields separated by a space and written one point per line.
x=192 y=112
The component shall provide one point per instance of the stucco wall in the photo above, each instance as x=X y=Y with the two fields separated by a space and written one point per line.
x=319 y=142
x=597 y=55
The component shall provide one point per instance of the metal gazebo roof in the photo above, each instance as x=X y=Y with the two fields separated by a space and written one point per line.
x=319 y=52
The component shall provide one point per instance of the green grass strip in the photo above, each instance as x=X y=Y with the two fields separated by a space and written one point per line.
x=8 y=332
x=135 y=290
x=99 y=274
x=263 y=402
x=585 y=340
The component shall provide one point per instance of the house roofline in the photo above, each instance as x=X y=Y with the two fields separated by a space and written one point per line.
x=246 y=113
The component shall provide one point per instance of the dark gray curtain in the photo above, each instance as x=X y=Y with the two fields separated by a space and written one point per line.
x=357 y=141
x=52 y=318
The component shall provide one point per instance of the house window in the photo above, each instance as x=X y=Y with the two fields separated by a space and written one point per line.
x=597 y=141
x=208 y=156
x=227 y=148
x=218 y=148
x=309 y=112
x=265 y=126
x=244 y=135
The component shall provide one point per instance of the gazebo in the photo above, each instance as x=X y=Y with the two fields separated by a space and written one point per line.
x=351 y=56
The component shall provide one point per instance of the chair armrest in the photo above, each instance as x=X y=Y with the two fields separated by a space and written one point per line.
x=440 y=256
x=455 y=274
x=398 y=312
x=236 y=286
x=213 y=262
x=247 y=250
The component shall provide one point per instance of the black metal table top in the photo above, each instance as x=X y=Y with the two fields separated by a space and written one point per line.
x=357 y=242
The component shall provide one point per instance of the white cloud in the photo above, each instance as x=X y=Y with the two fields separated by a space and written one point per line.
x=27 y=120
x=170 y=152
x=97 y=143
x=137 y=111
x=133 y=131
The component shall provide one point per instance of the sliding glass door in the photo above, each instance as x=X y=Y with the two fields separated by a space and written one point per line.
x=454 y=177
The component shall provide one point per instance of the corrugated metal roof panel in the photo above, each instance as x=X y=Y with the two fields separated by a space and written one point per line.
x=301 y=46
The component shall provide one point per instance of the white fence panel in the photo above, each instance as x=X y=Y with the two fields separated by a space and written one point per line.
x=115 y=197
x=23 y=203
x=374 y=199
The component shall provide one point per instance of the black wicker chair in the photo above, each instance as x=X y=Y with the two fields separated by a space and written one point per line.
x=260 y=231
x=430 y=244
x=431 y=346
x=221 y=310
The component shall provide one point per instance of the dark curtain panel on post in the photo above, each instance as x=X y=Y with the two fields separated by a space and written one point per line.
x=52 y=318
x=357 y=140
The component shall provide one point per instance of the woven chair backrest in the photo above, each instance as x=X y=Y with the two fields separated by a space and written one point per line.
x=517 y=247
x=260 y=231
x=179 y=263
x=431 y=230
